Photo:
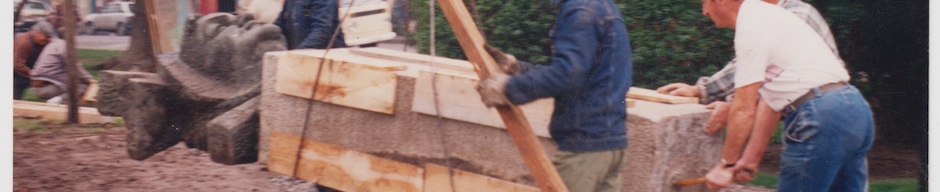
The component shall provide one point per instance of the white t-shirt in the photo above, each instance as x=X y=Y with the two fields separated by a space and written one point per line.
x=776 y=47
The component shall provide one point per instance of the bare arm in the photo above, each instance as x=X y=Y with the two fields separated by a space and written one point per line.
x=764 y=127
x=742 y=114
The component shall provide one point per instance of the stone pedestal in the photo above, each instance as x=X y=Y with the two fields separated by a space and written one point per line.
x=666 y=142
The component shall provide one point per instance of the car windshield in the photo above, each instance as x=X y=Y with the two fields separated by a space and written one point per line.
x=35 y=5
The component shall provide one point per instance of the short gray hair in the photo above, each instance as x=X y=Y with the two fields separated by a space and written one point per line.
x=45 y=28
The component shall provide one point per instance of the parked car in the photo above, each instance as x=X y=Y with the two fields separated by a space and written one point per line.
x=33 y=11
x=115 y=16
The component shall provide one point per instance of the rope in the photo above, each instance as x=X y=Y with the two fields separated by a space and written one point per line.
x=437 y=110
x=316 y=83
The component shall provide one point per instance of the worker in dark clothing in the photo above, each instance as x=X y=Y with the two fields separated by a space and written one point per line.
x=26 y=49
x=589 y=75
x=310 y=24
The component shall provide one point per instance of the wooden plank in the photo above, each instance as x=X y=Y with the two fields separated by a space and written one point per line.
x=282 y=156
x=31 y=109
x=159 y=38
x=454 y=92
x=436 y=179
x=91 y=92
x=343 y=169
x=356 y=85
x=471 y=41
x=439 y=62
x=652 y=95
x=458 y=100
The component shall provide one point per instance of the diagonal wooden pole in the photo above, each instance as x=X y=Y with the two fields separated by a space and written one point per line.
x=471 y=40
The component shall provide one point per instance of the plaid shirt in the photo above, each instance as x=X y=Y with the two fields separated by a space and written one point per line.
x=720 y=86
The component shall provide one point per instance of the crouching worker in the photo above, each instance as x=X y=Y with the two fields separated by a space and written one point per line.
x=50 y=75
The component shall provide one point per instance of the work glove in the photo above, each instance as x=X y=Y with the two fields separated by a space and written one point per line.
x=506 y=62
x=492 y=89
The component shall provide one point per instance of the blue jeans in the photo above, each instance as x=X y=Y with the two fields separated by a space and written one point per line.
x=826 y=141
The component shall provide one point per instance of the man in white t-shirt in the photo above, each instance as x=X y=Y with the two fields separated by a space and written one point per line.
x=785 y=68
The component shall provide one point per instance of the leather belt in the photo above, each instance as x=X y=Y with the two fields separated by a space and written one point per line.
x=789 y=108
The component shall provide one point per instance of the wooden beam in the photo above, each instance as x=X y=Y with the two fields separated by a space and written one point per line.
x=458 y=101
x=29 y=109
x=415 y=58
x=342 y=169
x=159 y=40
x=363 y=86
x=436 y=179
x=651 y=95
x=471 y=41
x=91 y=92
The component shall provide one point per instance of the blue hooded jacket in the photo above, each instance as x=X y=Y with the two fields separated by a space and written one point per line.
x=310 y=23
x=589 y=76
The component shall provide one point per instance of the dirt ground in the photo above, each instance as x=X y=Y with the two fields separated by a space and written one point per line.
x=52 y=157
x=58 y=158
x=884 y=161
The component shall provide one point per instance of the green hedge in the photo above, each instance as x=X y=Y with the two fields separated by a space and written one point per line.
x=672 y=41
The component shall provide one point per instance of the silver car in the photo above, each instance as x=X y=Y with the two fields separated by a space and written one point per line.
x=115 y=16
x=33 y=11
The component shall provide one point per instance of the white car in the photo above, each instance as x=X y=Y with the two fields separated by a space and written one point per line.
x=33 y=11
x=115 y=16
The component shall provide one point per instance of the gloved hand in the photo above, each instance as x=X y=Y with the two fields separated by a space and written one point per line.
x=492 y=89
x=507 y=62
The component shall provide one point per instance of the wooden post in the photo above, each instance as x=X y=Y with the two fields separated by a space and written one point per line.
x=68 y=8
x=153 y=29
x=471 y=40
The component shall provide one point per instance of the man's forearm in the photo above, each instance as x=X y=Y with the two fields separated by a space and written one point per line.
x=764 y=126
x=743 y=110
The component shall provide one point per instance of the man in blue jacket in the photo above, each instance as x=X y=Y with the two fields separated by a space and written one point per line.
x=589 y=76
x=310 y=24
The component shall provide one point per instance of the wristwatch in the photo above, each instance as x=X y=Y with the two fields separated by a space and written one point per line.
x=726 y=164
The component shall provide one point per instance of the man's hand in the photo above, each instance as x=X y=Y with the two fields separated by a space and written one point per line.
x=745 y=171
x=719 y=177
x=719 y=117
x=679 y=89
x=507 y=62
x=491 y=89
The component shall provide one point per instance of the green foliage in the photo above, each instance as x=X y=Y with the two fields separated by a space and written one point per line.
x=91 y=58
x=765 y=180
x=672 y=41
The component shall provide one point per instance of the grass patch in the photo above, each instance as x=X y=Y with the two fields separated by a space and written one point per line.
x=884 y=185
x=94 y=130
x=28 y=95
x=29 y=124
x=765 y=180
x=893 y=185
x=91 y=58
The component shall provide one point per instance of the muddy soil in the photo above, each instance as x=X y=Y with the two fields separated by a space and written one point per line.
x=93 y=158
